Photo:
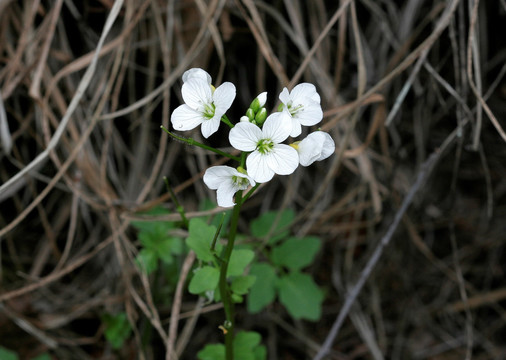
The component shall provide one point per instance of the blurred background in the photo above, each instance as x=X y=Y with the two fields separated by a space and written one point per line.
x=85 y=86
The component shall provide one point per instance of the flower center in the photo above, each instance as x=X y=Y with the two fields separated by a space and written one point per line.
x=265 y=146
x=294 y=109
x=240 y=182
x=209 y=109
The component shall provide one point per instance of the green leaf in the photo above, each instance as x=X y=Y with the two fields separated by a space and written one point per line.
x=263 y=291
x=204 y=279
x=167 y=248
x=244 y=344
x=117 y=329
x=6 y=354
x=296 y=253
x=239 y=259
x=212 y=352
x=261 y=226
x=246 y=347
x=147 y=260
x=260 y=353
x=44 y=356
x=301 y=296
x=208 y=204
x=200 y=239
x=154 y=226
x=236 y=299
x=240 y=285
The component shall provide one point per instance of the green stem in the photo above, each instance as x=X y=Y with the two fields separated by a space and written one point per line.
x=226 y=296
x=248 y=194
x=192 y=142
x=179 y=208
x=225 y=119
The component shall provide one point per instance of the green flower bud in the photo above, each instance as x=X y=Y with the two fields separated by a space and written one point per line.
x=261 y=116
x=258 y=102
x=250 y=114
x=255 y=105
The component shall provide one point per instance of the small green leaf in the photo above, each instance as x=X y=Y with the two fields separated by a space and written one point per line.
x=44 y=356
x=296 y=253
x=261 y=226
x=208 y=204
x=147 y=260
x=168 y=247
x=301 y=296
x=260 y=353
x=204 y=279
x=236 y=299
x=154 y=226
x=246 y=347
x=6 y=354
x=239 y=259
x=117 y=329
x=212 y=352
x=244 y=344
x=200 y=239
x=263 y=291
x=240 y=285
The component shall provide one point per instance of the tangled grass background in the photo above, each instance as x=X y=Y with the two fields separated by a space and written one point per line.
x=86 y=85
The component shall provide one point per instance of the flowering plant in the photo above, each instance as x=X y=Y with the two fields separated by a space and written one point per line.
x=258 y=136
x=261 y=140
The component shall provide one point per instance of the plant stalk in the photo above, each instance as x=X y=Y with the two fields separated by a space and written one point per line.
x=226 y=296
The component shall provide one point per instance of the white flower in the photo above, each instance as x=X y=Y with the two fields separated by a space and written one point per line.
x=227 y=181
x=203 y=105
x=303 y=105
x=268 y=156
x=317 y=146
x=197 y=73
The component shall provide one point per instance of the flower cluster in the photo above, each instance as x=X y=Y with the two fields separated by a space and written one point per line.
x=257 y=135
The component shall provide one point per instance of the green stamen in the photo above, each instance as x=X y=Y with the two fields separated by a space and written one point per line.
x=209 y=110
x=264 y=146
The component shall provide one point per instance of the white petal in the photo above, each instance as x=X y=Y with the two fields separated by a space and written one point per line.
x=296 y=128
x=309 y=150
x=284 y=96
x=328 y=148
x=310 y=114
x=277 y=127
x=185 y=118
x=258 y=168
x=196 y=93
x=245 y=136
x=210 y=126
x=303 y=93
x=196 y=73
x=216 y=175
x=315 y=147
x=225 y=194
x=283 y=159
x=223 y=97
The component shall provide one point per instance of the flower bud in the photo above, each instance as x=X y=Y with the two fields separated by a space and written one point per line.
x=250 y=114
x=261 y=116
x=244 y=118
x=258 y=102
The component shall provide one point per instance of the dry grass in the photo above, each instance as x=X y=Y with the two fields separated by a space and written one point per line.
x=85 y=86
